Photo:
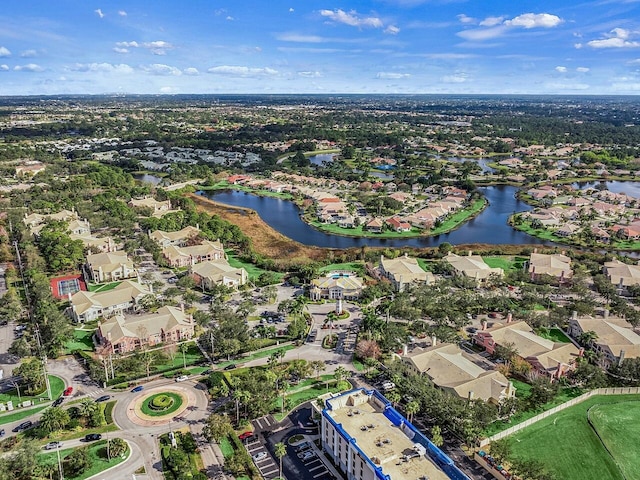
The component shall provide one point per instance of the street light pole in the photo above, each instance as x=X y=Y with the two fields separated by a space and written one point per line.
x=59 y=463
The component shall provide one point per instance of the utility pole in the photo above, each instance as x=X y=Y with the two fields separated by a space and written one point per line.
x=44 y=361
x=59 y=463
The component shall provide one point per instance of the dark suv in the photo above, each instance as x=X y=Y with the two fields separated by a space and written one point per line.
x=91 y=437
x=23 y=426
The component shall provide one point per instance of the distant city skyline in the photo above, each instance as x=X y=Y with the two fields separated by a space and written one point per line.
x=313 y=46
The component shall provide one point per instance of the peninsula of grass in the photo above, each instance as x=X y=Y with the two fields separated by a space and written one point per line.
x=97 y=453
x=571 y=448
x=458 y=218
x=359 y=231
x=56 y=384
x=161 y=404
x=224 y=185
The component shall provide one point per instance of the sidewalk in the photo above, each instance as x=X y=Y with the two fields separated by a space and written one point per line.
x=212 y=458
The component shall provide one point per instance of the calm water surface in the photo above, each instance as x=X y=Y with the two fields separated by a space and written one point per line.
x=488 y=227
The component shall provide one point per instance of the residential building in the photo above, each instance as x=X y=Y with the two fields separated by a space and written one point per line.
x=186 y=256
x=622 y=275
x=375 y=225
x=403 y=271
x=556 y=265
x=472 y=266
x=554 y=359
x=102 y=244
x=88 y=306
x=109 y=267
x=368 y=439
x=179 y=238
x=121 y=334
x=614 y=338
x=454 y=370
x=218 y=272
x=336 y=286
x=158 y=208
x=398 y=224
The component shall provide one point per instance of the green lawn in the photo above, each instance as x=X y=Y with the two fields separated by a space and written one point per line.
x=505 y=263
x=357 y=267
x=97 y=452
x=192 y=355
x=253 y=271
x=426 y=265
x=20 y=414
x=306 y=394
x=81 y=341
x=173 y=404
x=226 y=447
x=618 y=428
x=569 y=447
x=458 y=218
x=255 y=355
x=555 y=335
x=359 y=231
x=102 y=287
x=57 y=386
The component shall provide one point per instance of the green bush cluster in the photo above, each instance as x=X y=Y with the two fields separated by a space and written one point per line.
x=161 y=402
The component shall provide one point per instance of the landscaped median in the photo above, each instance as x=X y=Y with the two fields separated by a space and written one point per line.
x=81 y=465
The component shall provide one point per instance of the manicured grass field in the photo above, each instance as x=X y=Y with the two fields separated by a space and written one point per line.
x=253 y=271
x=81 y=341
x=505 y=263
x=357 y=267
x=617 y=425
x=103 y=287
x=359 y=231
x=570 y=448
x=555 y=335
x=57 y=386
x=174 y=404
x=97 y=452
x=226 y=447
x=458 y=218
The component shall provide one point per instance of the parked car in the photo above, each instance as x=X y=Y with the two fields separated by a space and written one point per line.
x=182 y=378
x=260 y=456
x=92 y=437
x=244 y=435
x=67 y=391
x=23 y=426
x=306 y=456
x=2 y=432
x=57 y=402
x=53 y=445
x=137 y=389
x=103 y=398
x=230 y=367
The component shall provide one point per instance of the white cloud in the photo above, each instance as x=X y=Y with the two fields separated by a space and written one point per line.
x=28 y=54
x=534 y=20
x=240 y=71
x=616 y=38
x=582 y=69
x=466 y=19
x=229 y=18
x=101 y=67
x=4 y=67
x=351 y=18
x=497 y=26
x=161 y=69
x=99 y=12
x=392 y=30
x=30 y=67
x=120 y=50
x=294 y=37
x=158 y=47
x=625 y=87
x=168 y=89
x=567 y=86
x=491 y=21
x=5 y=52
x=392 y=75
x=122 y=13
x=291 y=10
x=455 y=78
x=561 y=69
x=128 y=44
x=191 y=71
x=310 y=74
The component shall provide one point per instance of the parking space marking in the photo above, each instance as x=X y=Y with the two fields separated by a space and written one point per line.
x=251 y=450
x=321 y=473
x=316 y=467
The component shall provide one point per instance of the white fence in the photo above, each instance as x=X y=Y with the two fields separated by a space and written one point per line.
x=570 y=403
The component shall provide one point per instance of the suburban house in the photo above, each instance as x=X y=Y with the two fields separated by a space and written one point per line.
x=36 y=222
x=614 y=338
x=374 y=226
x=452 y=369
x=157 y=207
x=102 y=244
x=621 y=274
x=186 y=256
x=88 y=306
x=403 y=271
x=218 y=272
x=556 y=266
x=472 y=266
x=398 y=224
x=553 y=359
x=120 y=334
x=336 y=286
x=179 y=238
x=109 y=267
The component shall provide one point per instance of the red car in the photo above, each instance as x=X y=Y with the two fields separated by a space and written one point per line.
x=244 y=435
x=67 y=391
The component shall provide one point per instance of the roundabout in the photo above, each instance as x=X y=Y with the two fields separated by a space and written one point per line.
x=158 y=406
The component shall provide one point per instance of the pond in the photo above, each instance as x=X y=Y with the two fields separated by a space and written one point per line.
x=489 y=227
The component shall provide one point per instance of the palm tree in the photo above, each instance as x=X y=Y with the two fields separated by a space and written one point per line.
x=87 y=407
x=412 y=408
x=54 y=418
x=587 y=338
x=184 y=348
x=393 y=397
x=340 y=373
x=280 y=450
x=318 y=366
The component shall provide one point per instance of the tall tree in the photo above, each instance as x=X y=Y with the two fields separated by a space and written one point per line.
x=280 y=450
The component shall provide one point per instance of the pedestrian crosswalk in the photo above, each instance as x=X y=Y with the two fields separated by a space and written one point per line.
x=263 y=423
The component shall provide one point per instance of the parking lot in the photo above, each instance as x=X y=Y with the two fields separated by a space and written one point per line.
x=261 y=457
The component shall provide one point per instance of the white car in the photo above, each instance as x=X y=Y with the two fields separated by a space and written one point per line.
x=259 y=456
x=53 y=445
x=306 y=456
x=182 y=378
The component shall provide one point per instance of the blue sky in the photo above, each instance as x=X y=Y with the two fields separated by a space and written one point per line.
x=320 y=46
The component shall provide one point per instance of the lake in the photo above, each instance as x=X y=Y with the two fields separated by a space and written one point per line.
x=148 y=178
x=630 y=188
x=489 y=227
x=321 y=158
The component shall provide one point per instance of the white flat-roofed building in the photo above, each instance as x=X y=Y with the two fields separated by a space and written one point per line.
x=368 y=439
